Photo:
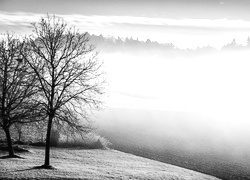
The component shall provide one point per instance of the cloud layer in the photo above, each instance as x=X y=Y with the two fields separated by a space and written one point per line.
x=159 y=29
x=14 y=18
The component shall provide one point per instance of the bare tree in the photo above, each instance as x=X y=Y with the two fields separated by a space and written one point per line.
x=17 y=88
x=68 y=71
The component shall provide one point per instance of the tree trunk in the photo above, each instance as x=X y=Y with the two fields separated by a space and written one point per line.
x=47 y=149
x=10 y=147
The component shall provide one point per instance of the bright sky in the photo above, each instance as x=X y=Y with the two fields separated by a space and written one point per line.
x=186 y=24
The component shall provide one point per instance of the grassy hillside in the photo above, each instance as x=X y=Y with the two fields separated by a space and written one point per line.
x=182 y=139
x=92 y=164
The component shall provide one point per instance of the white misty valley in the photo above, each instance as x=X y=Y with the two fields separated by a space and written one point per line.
x=214 y=87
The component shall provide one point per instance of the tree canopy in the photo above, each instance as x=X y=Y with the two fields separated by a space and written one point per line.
x=68 y=71
x=18 y=88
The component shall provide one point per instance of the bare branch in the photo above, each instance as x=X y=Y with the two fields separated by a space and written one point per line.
x=68 y=72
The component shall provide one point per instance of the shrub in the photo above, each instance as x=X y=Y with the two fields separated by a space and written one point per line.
x=90 y=141
x=38 y=144
x=101 y=143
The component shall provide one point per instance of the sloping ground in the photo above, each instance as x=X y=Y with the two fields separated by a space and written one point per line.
x=183 y=139
x=92 y=164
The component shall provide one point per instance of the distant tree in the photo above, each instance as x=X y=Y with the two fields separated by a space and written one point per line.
x=54 y=138
x=39 y=130
x=18 y=90
x=232 y=46
x=205 y=49
x=148 y=42
x=248 y=42
x=68 y=71
x=19 y=131
x=233 y=43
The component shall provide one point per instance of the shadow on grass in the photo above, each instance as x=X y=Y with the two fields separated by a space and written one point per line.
x=10 y=157
x=36 y=167
x=44 y=167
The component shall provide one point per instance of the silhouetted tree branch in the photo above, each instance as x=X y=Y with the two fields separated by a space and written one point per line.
x=18 y=88
x=68 y=71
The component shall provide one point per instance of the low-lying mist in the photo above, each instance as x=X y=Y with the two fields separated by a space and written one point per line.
x=188 y=106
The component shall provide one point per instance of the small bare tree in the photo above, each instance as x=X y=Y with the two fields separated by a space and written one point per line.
x=18 y=88
x=68 y=71
x=19 y=130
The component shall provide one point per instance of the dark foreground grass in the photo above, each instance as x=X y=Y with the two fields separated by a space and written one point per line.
x=91 y=164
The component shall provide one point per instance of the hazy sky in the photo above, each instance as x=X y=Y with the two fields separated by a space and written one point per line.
x=186 y=23
x=212 y=9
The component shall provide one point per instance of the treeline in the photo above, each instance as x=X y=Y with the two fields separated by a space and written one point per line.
x=130 y=45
